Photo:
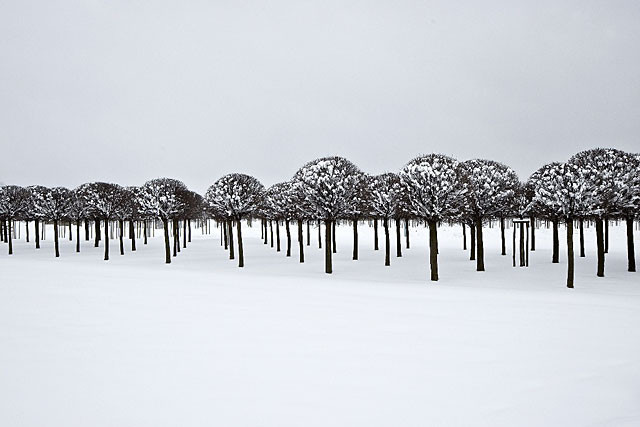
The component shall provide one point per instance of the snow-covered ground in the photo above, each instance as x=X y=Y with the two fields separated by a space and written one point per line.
x=200 y=342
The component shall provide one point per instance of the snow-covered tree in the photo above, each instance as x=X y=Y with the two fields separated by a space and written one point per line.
x=434 y=192
x=52 y=204
x=385 y=194
x=562 y=191
x=160 y=198
x=236 y=196
x=607 y=171
x=489 y=188
x=14 y=203
x=329 y=184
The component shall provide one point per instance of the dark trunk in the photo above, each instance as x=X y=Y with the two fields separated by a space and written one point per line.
x=70 y=232
x=328 y=267
x=266 y=238
x=10 y=237
x=582 y=255
x=37 y=231
x=174 y=230
x=230 y=232
x=387 y=243
x=240 y=249
x=319 y=235
x=224 y=231
x=26 y=227
x=189 y=221
x=631 y=255
x=78 y=236
x=514 y=244
x=522 y=255
x=375 y=234
x=464 y=237
x=121 y=235
x=433 y=249
x=96 y=224
x=271 y=231
x=278 y=235
x=286 y=224
x=301 y=239
x=533 y=233
x=555 y=256
x=472 y=242
x=184 y=233
x=106 y=240
x=600 y=245
x=502 y=239
x=570 y=258
x=333 y=235
x=144 y=225
x=86 y=230
x=55 y=237
x=355 y=239
x=480 y=246
x=406 y=231
x=167 y=248
x=308 y=234
x=132 y=235
x=606 y=235
x=398 y=241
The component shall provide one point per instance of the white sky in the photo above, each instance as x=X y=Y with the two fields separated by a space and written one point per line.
x=125 y=91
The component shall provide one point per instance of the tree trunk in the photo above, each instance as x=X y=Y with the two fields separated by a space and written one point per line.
x=70 y=233
x=132 y=235
x=582 y=238
x=240 y=248
x=333 y=235
x=174 y=231
x=308 y=234
x=355 y=240
x=328 y=267
x=184 y=233
x=555 y=257
x=375 y=234
x=26 y=228
x=522 y=255
x=433 y=249
x=319 y=235
x=278 y=235
x=387 y=243
x=55 y=237
x=266 y=239
x=472 y=242
x=10 y=237
x=37 y=231
x=502 y=239
x=78 y=236
x=301 y=239
x=224 y=230
x=514 y=245
x=230 y=232
x=189 y=221
x=262 y=229
x=86 y=230
x=606 y=235
x=533 y=233
x=286 y=224
x=570 y=258
x=406 y=232
x=631 y=255
x=144 y=230
x=464 y=237
x=398 y=241
x=96 y=224
x=480 y=246
x=271 y=231
x=106 y=240
x=167 y=248
x=600 y=245
x=121 y=235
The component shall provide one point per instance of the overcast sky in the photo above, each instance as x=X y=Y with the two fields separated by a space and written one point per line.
x=125 y=91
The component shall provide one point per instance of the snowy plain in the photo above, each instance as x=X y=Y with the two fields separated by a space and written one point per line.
x=200 y=342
